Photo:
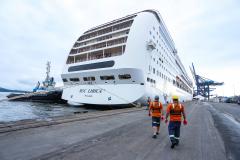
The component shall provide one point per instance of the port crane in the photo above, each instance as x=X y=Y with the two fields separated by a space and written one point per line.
x=204 y=85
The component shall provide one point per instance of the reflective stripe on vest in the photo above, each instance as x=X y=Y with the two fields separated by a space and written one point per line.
x=154 y=108
x=179 y=106
x=174 y=112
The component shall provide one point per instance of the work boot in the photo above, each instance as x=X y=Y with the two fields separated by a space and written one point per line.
x=154 y=136
x=172 y=146
x=176 y=142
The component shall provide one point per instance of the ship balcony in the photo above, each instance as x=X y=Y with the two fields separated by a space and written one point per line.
x=109 y=29
x=110 y=24
x=103 y=41
x=108 y=33
x=106 y=52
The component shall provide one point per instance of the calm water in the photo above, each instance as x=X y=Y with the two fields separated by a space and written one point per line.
x=13 y=111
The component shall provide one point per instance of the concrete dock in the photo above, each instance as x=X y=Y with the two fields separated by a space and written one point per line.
x=213 y=132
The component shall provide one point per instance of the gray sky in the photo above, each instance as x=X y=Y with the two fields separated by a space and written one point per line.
x=31 y=32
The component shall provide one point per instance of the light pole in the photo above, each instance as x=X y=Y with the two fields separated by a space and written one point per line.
x=234 y=90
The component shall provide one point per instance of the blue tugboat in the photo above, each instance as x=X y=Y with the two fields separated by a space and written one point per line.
x=47 y=92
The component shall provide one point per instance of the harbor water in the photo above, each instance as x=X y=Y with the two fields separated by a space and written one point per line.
x=15 y=110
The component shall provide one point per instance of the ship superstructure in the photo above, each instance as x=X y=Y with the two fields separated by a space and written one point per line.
x=125 y=61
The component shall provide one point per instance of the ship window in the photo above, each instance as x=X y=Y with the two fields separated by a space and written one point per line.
x=95 y=55
x=104 y=37
x=74 y=79
x=124 y=76
x=64 y=80
x=92 y=47
x=122 y=25
x=107 y=77
x=80 y=58
x=108 y=24
x=89 y=78
x=73 y=51
x=117 y=41
x=153 y=70
x=70 y=60
x=105 y=64
x=123 y=48
x=76 y=44
x=113 y=51
x=105 y=30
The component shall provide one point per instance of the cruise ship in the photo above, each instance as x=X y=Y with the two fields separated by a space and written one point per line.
x=125 y=61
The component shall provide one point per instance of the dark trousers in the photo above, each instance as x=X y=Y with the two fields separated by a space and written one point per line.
x=174 y=131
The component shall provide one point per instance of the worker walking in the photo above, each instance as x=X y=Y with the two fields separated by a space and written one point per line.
x=148 y=103
x=176 y=112
x=155 y=109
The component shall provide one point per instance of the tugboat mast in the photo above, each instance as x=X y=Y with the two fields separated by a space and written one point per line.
x=48 y=70
x=49 y=81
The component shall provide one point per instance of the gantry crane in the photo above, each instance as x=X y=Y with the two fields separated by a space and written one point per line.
x=203 y=84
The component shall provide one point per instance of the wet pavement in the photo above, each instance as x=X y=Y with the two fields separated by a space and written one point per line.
x=212 y=133
x=227 y=121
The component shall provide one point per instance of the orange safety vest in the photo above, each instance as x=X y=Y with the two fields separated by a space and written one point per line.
x=175 y=112
x=156 y=108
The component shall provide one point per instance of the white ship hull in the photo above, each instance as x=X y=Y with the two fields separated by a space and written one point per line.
x=125 y=61
x=105 y=94
x=118 y=94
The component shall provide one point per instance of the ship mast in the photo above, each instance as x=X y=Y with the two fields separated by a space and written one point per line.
x=48 y=70
x=49 y=81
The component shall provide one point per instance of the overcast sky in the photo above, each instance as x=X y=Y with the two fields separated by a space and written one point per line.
x=206 y=32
